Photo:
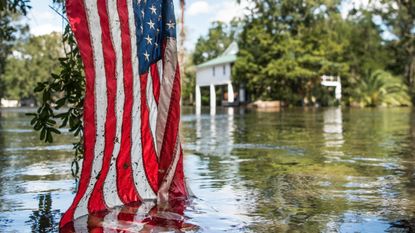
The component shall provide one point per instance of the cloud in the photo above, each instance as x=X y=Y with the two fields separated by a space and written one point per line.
x=43 y=20
x=228 y=10
x=44 y=29
x=199 y=7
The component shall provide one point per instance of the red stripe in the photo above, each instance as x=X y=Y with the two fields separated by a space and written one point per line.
x=95 y=222
x=156 y=81
x=97 y=201
x=149 y=152
x=170 y=136
x=68 y=228
x=77 y=17
x=125 y=180
x=178 y=186
x=127 y=214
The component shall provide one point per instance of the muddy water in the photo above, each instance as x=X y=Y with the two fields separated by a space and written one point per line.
x=296 y=170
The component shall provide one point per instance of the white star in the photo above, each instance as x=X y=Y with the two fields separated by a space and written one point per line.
x=151 y=24
x=170 y=24
x=156 y=44
x=142 y=13
x=153 y=9
x=147 y=56
x=149 y=39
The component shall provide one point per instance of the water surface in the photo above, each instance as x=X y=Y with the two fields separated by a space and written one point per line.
x=296 y=170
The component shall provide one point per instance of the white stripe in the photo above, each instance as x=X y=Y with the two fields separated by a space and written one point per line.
x=166 y=88
x=160 y=69
x=140 y=179
x=143 y=211
x=81 y=225
x=110 y=184
x=152 y=107
x=110 y=223
x=100 y=103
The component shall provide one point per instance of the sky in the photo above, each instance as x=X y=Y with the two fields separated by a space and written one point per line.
x=199 y=15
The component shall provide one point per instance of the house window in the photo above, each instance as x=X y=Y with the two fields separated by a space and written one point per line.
x=213 y=71
x=224 y=70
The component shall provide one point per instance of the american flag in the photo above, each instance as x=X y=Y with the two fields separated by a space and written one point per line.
x=132 y=104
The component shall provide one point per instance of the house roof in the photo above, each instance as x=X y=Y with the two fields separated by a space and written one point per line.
x=226 y=57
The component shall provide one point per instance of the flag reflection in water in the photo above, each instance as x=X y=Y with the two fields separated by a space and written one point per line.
x=139 y=217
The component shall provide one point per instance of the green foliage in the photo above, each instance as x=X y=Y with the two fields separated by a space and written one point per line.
x=399 y=16
x=63 y=98
x=33 y=61
x=188 y=80
x=15 y=6
x=10 y=27
x=366 y=50
x=285 y=46
x=219 y=37
x=380 y=88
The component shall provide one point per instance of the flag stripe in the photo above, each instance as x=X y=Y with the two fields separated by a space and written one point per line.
x=132 y=109
x=110 y=185
x=110 y=223
x=106 y=108
x=149 y=151
x=140 y=178
x=160 y=70
x=81 y=225
x=100 y=104
x=169 y=74
x=125 y=185
x=152 y=106
x=171 y=170
x=156 y=83
x=171 y=138
x=78 y=20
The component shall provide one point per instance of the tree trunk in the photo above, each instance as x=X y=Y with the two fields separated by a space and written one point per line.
x=182 y=40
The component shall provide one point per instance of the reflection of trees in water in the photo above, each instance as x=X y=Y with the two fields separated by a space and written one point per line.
x=304 y=193
x=44 y=219
x=412 y=133
x=289 y=196
x=2 y=162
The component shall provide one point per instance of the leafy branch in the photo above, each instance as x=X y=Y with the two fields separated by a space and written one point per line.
x=63 y=99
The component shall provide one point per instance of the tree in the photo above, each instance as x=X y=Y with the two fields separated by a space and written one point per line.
x=286 y=45
x=380 y=88
x=399 y=16
x=188 y=80
x=219 y=37
x=366 y=50
x=10 y=13
x=33 y=61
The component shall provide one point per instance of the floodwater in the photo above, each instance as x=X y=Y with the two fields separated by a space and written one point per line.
x=295 y=170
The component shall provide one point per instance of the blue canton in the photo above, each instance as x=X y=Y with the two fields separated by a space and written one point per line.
x=155 y=21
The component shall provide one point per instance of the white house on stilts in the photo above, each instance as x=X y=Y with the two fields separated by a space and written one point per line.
x=333 y=81
x=217 y=72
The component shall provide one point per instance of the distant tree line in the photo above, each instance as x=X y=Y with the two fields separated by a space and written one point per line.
x=287 y=45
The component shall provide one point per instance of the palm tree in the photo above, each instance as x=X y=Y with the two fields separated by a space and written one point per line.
x=381 y=88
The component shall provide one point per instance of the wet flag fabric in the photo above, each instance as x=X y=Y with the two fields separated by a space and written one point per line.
x=132 y=105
